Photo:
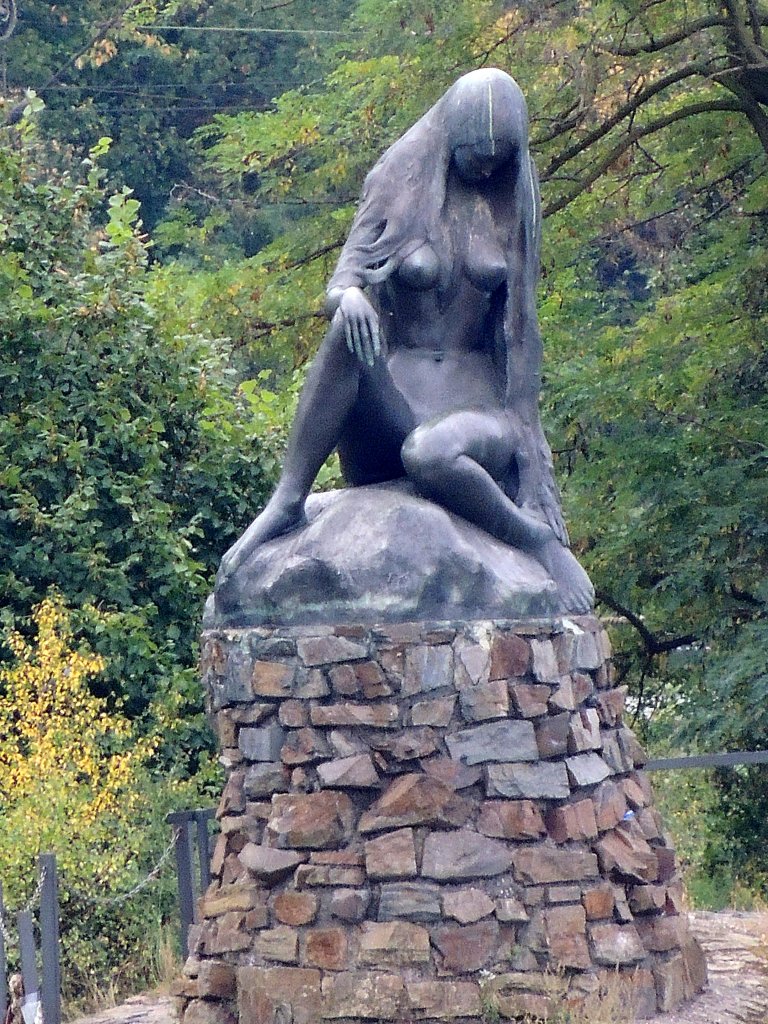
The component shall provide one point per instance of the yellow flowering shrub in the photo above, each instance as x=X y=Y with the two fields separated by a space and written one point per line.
x=60 y=746
x=75 y=779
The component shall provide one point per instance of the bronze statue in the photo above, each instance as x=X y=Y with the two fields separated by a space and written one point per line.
x=431 y=366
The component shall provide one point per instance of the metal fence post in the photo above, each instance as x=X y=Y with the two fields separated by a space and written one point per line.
x=3 y=963
x=49 y=939
x=180 y=821
x=28 y=963
x=203 y=847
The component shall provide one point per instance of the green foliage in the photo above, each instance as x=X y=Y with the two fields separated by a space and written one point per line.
x=308 y=155
x=107 y=71
x=656 y=321
x=127 y=459
x=649 y=130
x=721 y=866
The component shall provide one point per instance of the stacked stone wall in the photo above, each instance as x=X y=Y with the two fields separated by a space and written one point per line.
x=430 y=822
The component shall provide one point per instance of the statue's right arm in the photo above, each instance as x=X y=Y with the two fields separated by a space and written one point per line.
x=361 y=321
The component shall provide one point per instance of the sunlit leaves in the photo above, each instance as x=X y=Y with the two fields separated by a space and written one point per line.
x=75 y=780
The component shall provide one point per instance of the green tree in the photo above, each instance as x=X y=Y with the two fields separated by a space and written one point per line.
x=127 y=460
x=76 y=780
x=649 y=130
x=605 y=83
x=107 y=71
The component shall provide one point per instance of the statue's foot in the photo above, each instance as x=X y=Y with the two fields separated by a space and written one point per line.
x=279 y=517
x=577 y=595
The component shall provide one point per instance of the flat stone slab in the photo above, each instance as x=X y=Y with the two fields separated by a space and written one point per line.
x=381 y=554
x=507 y=740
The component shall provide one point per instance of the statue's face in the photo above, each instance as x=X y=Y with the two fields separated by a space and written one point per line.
x=478 y=161
x=486 y=124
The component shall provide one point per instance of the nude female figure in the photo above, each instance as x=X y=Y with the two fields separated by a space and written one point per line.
x=431 y=366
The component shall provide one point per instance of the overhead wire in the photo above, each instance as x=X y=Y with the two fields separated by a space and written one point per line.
x=54 y=79
x=136 y=90
x=16 y=112
x=200 y=106
x=249 y=30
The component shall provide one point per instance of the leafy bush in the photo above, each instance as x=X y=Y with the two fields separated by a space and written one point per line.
x=76 y=780
x=128 y=460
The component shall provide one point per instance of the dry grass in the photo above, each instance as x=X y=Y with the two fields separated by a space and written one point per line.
x=166 y=965
x=584 y=999
x=160 y=970
x=614 y=1002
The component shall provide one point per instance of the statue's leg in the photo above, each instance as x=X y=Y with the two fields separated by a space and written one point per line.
x=329 y=393
x=457 y=460
x=373 y=432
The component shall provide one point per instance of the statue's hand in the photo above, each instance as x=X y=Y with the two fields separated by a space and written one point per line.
x=361 y=325
x=229 y=563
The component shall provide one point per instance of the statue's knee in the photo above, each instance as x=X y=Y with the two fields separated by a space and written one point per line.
x=424 y=459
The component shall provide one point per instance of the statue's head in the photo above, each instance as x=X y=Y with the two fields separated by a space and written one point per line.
x=477 y=129
x=486 y=121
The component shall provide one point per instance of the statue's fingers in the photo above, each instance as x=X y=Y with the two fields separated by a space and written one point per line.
x=367 y=340
x=339 y=320
x=349 y=336
x=357 y=341
x=376 y=339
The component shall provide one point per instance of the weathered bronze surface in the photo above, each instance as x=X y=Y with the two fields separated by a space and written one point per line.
x=430 y=369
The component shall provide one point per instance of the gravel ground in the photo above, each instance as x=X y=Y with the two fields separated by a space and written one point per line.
x=736 y=945
x=148 y=1008
x=737 y=954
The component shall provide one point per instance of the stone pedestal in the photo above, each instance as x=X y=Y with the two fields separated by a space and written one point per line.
x=431 y=822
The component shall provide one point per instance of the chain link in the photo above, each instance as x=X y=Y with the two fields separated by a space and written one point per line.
x=101 y=901
x=29 y=905
x=111 y=901
x=34 y=898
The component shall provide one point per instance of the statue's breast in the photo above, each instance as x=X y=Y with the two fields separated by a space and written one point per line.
x=420 y=269
x=485 y=265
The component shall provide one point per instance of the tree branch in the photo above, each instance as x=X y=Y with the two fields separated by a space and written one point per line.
x=630 y=107
x=631 y=138
x=653 y=644
x=260 y=328
x=276 y=7
x=745 y=597
x=566 y=121
x=747 y=78
x=324 y=250
x=729 y=175
x=743 y=40
x=654 y=45
x=302 y=261
x=754 y=21
x=16 y=112
x=751 y=106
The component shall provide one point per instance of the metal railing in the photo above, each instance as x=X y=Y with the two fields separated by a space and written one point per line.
x=39 y=997
x=191 y=832
x=658 y=764
x=43 y=991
